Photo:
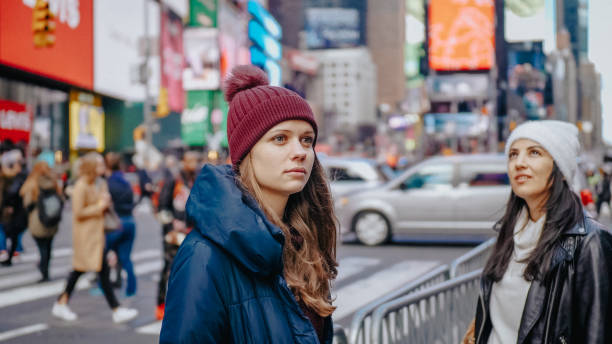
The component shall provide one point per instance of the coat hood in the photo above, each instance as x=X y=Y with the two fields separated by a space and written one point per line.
x=233 y=220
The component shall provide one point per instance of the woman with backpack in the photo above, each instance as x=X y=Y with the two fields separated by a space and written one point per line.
x=42 y=200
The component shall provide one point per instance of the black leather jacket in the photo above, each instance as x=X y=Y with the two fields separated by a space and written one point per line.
x=575 y=306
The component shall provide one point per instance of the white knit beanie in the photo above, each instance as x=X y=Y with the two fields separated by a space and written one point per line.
x=560 y=139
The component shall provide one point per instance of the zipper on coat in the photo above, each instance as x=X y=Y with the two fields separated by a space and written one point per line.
x=484 y=317
x=562 y=340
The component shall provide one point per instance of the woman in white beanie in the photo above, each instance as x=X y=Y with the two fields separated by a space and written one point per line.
x=549 y=277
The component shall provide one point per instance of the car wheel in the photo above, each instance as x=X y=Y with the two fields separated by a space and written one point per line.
x=372 y=228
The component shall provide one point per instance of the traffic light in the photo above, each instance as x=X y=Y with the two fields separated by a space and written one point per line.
x=43 y=24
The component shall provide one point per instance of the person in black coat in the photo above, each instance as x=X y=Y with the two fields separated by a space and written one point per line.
x=549 y=276
x=257 y=266
x=14 y=215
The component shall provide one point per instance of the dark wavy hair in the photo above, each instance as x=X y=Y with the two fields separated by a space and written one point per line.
x=563 y=210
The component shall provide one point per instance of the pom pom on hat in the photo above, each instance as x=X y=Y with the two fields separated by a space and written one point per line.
x=242 y=78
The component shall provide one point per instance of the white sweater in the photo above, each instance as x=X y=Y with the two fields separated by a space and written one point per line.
x=509 y=295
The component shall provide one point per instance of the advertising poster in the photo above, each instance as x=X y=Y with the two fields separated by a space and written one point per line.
x=69 y=59
x=415 y=37
x=86 y=123
x=195 y=118
x=202 y=56
x=461 y=35
x=332 y=28
x=172 y=58
x=203 y=13
x=119 y=48
x=15 y=121
x=531 y=20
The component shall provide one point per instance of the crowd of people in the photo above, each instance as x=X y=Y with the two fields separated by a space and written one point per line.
x=101 y=201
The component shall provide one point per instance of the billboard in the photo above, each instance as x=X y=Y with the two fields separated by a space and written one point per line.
x=203 y=13
x=527 y=21
x=171 y=54
x=328 y=28
x=202 y=56
x=118 y=53
x=195 y=118
x=86 y=123
x=15 y=121
x=461 y=35
x=69 y=59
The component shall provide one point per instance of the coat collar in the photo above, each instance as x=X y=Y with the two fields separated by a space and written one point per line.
x=233 y=220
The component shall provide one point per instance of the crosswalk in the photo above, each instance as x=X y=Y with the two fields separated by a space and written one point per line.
x=360 y=280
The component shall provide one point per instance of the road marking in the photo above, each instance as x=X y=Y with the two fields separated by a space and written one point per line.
x=355 y=295
x=22 y=331
x=353 y=265
x=35 y=292
x=154 y=328
x=55 y=253
x=25 y=277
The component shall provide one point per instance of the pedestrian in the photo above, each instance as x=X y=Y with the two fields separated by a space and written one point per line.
x=172 y=201
x=90 y=199
x=121 y=240
x=603 y=191
x=14 y=217
x=548 y=278
x=42 y=199
x=257 y=266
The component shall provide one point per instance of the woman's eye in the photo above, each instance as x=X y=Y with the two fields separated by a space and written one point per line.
x=308 y=140
x=279 y=138
x=535 y=152
x=512 y=155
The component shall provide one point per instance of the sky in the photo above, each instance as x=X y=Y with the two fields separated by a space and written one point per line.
x=600 y=53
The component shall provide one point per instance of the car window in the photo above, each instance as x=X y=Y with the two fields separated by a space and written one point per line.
x=430 y=176
x=483 y=174
x=343 y=174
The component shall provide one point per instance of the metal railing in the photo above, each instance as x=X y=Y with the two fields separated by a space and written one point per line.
x=436 y=315
x=472 y=260
x=360 y=325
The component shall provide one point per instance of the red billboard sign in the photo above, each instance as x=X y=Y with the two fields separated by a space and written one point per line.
x=461 y=34
x=69 y=59
x=15 y=121
x=172 y=63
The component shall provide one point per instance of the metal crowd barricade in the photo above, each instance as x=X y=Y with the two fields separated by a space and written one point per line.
x=360 y=325
x=436 y=315
x=472 y=260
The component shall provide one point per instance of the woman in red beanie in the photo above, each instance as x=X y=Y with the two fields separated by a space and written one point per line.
x=257 y=266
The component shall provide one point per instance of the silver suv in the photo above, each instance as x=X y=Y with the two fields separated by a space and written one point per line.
x=440 y=198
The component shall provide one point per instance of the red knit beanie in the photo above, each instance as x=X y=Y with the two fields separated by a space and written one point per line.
x=255 y=107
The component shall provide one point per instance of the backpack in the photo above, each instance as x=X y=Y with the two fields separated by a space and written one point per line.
x=49 y=206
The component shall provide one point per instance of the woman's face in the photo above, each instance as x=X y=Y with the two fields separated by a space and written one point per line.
x=100 y=167
x=529 y=167
x=282 y=159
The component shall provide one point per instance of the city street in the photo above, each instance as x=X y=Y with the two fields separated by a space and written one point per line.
x=364 y=274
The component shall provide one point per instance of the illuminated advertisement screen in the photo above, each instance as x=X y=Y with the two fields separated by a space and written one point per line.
x=461 y=35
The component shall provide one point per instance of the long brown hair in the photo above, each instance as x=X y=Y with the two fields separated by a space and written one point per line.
x=310 y=265
x=563 y=210
x=30 y=186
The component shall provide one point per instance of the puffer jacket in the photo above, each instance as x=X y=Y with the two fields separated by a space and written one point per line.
x=226 y=284
x=575 y=304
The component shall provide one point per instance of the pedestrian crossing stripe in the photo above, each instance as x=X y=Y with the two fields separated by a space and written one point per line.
x=348 y=298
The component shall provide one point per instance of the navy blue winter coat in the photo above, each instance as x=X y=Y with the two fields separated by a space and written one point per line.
x=226 y=284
